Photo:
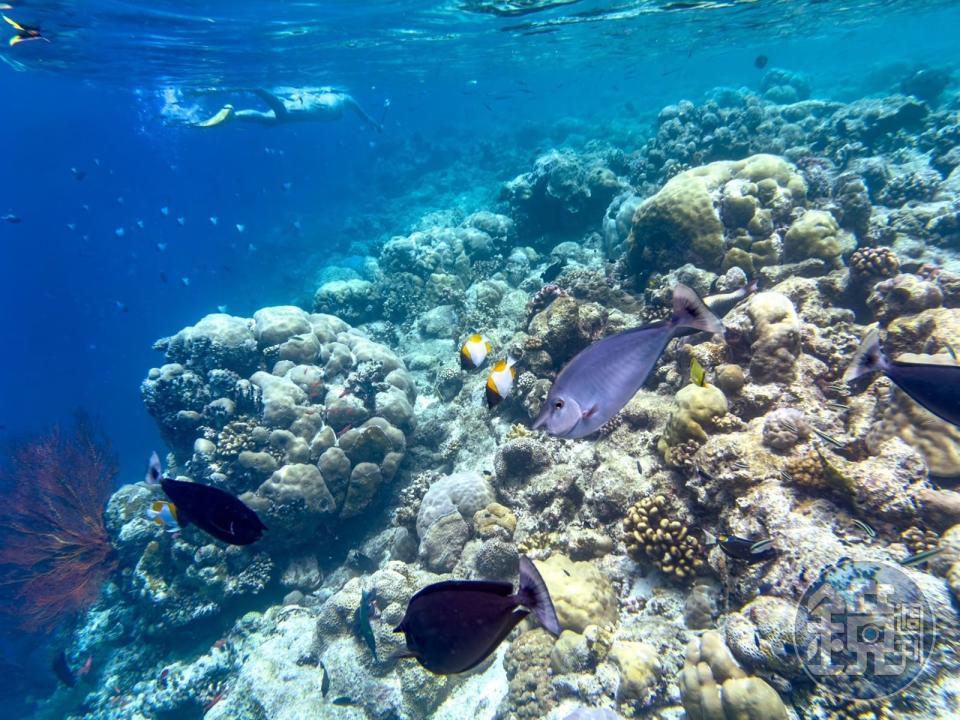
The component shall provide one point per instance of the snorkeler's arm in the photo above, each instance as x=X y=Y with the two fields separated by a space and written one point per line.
x=355 y=106
x=275 y=104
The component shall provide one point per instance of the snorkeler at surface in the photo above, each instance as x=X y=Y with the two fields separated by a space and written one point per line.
x=293 y=104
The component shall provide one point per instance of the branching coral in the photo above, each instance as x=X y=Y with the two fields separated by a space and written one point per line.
x=54 y=549
x=655 y=533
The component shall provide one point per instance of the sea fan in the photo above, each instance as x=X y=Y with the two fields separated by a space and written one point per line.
x=54 y=549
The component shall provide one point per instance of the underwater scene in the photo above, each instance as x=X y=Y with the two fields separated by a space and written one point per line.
x=480 y=359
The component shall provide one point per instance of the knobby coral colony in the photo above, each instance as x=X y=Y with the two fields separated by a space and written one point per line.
x=359 y=434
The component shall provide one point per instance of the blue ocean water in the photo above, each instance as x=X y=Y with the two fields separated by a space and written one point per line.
x=116 y=246
x=84 y=305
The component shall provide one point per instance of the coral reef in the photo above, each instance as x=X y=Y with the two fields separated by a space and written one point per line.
x=377 y=468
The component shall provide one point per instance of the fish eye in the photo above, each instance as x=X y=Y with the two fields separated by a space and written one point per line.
x=558 y=404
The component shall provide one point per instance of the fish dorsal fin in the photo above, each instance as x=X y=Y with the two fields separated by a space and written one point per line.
x=484 y=586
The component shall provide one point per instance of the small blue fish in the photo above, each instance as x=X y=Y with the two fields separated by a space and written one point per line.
x=164 y=514
x=221 y=308
x=214 y=220
x=140 y=224
x=71 y=226
x=181 y=221
x=165 y=211
x=161 y=247
x=240 y=227
x=185 y=281
x=119 y=232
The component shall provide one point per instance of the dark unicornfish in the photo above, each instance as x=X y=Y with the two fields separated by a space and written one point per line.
x=936 y=387
x=324 y=680
x=600 y=380
x=214 y=511
x=452 y=626
x=61 y=668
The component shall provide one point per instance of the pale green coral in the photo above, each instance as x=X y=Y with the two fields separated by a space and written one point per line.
x=721 y=211
x=640 y=668
x=714 y=687
x=815 y=234
x=698 y=409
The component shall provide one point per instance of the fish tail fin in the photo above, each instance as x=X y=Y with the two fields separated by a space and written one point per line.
x=709 y=539
x=535 y=595
x=690 y=311
x=869 y=358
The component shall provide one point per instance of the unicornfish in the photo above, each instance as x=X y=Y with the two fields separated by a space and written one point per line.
x=451 y=626
x=596 y=384
x=935 y=386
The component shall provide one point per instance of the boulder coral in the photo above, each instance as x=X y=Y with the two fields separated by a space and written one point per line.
x=582 y=594
x=713 y=686
x=698 y=408
x=717 y=216
x=310 y=436
x=815 y=234
x=445 y=519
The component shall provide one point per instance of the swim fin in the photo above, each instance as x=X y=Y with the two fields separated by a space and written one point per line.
x=274 y=103
x=225 y=112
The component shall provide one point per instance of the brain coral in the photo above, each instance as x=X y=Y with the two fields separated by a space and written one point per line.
x=582 y=594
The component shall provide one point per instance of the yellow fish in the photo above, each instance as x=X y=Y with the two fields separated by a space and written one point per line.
x=500 y=381
x=164 y=514
x=474 y=351
x=698 y=376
